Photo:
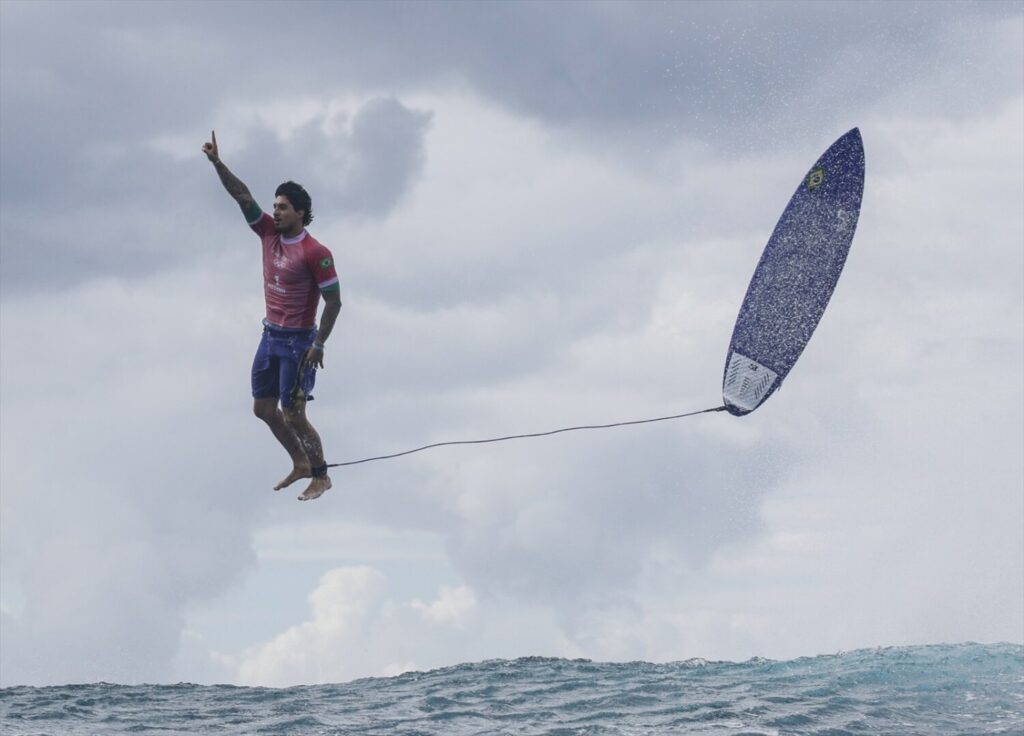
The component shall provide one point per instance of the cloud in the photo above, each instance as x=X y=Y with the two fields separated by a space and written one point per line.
x=453 y=606
x=124 y=500
x=387 y=151
x=361 y=163
x=318 y=649
x=359 y=625
x=735 y=74
x=702 y=70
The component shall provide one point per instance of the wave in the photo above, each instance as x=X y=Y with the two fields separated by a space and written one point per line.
x=942 y=689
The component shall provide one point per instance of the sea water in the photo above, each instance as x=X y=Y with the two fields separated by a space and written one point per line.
x=942 y=690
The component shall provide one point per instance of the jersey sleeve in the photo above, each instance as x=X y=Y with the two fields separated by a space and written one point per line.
x=321 y=265
x=260 y=222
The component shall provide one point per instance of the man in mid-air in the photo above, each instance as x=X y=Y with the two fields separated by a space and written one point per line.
x=297 y=270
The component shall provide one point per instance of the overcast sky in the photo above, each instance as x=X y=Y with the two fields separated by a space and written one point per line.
x=543 y=214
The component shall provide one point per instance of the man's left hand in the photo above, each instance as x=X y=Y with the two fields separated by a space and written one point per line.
x=315 y=357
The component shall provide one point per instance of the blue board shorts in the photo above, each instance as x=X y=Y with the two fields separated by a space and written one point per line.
x=275 y=368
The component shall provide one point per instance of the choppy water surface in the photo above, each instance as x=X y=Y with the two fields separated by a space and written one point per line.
x=961 y=689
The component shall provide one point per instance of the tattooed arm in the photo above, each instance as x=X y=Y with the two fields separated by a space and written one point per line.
x=234 y=186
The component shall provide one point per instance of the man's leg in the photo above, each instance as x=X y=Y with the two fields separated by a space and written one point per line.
x=268 y=411
x=295 y=417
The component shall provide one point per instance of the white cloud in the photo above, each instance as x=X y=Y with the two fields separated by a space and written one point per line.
x=356 y=628
x=320 y=649
x=453 y=606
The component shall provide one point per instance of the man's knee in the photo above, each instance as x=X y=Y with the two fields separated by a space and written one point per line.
x=265 y=409
x=294 y=414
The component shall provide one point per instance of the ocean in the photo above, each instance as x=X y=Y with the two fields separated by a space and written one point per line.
x=936 y=690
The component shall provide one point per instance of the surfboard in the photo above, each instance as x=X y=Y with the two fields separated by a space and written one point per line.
x=795 y=278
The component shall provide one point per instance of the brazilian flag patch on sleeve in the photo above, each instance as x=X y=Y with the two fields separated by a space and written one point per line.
x=326 y=263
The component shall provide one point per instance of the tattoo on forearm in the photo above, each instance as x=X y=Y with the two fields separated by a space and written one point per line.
x=233 y=184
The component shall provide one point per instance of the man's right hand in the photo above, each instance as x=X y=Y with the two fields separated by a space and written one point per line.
x=210 y=149
x=232 y=183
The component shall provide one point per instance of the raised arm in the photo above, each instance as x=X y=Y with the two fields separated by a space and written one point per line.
x=238 y=191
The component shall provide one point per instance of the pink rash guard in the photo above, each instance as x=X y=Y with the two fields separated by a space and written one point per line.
x=295 y=271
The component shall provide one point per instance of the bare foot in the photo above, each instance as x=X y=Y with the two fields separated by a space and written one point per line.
x=316 y=488
x=299 y=471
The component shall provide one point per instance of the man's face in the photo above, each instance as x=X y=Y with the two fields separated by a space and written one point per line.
x=286 y=218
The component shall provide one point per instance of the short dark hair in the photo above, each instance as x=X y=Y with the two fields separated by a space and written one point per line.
x=299 y=198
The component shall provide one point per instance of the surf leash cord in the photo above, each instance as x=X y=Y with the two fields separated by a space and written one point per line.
x=524 y=436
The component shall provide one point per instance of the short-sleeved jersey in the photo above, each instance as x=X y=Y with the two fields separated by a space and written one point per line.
x=295 y=271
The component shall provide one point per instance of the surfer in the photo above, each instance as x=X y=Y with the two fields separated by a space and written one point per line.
x=297 y=271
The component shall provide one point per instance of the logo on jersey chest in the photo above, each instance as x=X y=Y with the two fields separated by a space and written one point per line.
x=276 y=285
x=286 y=272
